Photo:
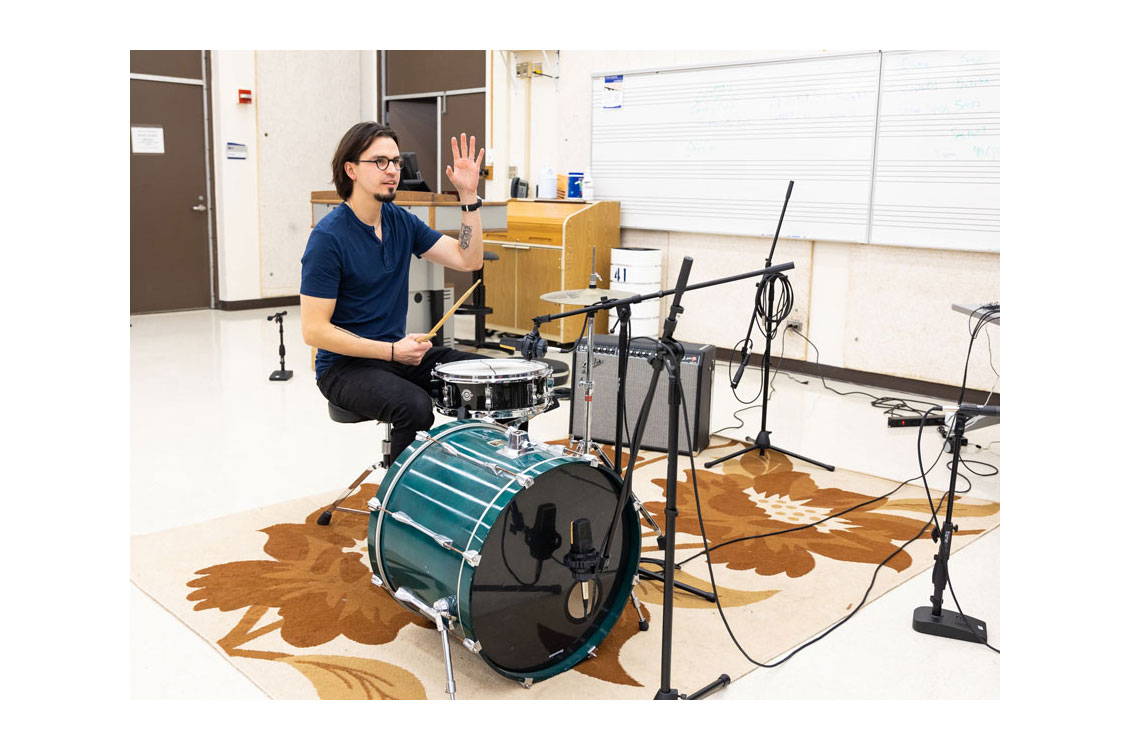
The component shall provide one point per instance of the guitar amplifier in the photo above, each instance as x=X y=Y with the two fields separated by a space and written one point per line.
x=696 y=372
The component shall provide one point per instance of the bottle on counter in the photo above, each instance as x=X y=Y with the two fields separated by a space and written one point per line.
x=587 y=187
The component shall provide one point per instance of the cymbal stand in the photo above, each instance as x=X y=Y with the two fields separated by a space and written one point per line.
x=590 y=321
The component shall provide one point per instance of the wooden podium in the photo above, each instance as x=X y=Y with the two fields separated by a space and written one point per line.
x=547 y=247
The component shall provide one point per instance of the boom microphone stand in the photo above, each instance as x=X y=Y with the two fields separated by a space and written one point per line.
x=762 y=443
x=669 y=354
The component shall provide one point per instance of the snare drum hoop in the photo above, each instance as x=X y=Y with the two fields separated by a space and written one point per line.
x=535 y=371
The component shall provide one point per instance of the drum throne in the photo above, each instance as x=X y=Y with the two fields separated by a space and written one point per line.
x=345 y=416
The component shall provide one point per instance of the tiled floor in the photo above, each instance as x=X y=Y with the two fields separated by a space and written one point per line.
x=212 y=436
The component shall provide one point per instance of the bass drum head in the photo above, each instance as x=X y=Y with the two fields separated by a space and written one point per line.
x=529 y=613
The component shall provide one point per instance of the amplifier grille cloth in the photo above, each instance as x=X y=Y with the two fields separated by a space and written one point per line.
x=696 y=375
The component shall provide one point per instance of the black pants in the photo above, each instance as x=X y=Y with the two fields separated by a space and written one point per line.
x=389 y=391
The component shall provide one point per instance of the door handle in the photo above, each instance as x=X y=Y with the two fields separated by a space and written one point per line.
x=200 y=207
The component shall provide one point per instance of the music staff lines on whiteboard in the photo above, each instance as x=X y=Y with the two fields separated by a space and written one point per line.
x=751 y=170
x=968 y=171
x=957 y=126
x=798 y=85
x=942 y=78
x=749 y=121
x=925 y=217
x=855 y=214
x=730 y=130
x=746 y=204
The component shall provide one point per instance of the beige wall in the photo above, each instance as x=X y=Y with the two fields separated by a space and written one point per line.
x=303 y=103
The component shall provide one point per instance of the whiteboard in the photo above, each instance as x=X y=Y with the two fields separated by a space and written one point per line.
x=898 y=148
x=937 y=164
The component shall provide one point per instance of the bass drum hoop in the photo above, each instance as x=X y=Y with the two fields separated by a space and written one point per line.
x=618 y=603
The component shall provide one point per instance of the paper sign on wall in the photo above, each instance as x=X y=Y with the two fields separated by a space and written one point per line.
x=613 y=92
x=236 y=150
x=147 y=139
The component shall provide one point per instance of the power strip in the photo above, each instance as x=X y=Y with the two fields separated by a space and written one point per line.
x=915 y=421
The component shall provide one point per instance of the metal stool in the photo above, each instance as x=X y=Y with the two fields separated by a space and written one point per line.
x=479 y=308
x=345 y=416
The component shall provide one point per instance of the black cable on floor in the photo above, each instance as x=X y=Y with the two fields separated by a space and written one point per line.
x=710 y=566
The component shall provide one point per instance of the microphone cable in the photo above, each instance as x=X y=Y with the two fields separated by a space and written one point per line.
x=710 y=566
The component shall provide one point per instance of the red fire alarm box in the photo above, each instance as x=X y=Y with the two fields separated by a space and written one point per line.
x=245 y=96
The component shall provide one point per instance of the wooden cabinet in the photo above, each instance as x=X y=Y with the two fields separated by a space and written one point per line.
x=548 y=247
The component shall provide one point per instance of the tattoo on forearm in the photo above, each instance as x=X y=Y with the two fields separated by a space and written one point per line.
x=464 y=237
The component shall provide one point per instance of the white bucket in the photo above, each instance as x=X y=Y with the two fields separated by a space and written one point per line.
x=641 y=326
x=639 y=270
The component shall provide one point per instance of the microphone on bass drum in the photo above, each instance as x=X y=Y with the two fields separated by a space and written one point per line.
x=583 y=560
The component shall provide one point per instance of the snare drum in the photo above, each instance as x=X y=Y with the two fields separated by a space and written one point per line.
x=498 y=388
x=477 y=526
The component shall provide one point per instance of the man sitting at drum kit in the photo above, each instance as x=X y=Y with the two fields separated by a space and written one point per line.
x=354 y=292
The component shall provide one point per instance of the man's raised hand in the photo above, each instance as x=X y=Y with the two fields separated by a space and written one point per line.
x=464 y=169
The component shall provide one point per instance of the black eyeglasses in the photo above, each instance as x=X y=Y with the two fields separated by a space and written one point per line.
x=382 y=162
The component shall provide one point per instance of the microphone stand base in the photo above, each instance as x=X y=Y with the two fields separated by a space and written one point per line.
x=950 y=625
x=721 y=682
x=762 y=443
x=281 y=375
x=673 y=694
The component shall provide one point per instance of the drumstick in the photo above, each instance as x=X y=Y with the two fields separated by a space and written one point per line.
x=447 y=314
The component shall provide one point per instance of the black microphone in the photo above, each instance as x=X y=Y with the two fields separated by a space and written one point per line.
x=582 y=559
x=530 y=346
x=741 y=367
x=276 y=315
x=979 y=410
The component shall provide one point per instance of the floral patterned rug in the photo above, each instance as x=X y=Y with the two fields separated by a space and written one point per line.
x=291 y=604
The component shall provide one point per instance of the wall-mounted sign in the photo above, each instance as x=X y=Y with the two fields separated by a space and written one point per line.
x=147 y=139
x=613 y=92
x=236 y=150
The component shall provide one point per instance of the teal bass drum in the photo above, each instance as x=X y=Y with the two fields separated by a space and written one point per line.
x=469 y=521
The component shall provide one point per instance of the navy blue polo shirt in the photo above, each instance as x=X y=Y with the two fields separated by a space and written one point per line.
x=368 y=277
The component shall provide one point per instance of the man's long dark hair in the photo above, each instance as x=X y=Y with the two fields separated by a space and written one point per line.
x=352 y=145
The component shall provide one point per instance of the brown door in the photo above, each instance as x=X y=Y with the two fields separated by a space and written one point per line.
x=414 y=121
x=463 y=113
x=169 y=216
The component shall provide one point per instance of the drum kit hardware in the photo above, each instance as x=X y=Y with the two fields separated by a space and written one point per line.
x=448 y=536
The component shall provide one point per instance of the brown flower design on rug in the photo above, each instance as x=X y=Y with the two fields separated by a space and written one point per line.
x=765 y=494
x=321 y=589
x=319 y=583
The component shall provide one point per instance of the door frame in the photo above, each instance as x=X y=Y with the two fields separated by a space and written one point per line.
x=441 y=110
x=209 y=187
